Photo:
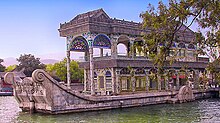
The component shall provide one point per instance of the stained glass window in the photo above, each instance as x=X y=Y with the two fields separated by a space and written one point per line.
x=181 y=45
x=191 y=46
x=102 y=41
x=79 y=44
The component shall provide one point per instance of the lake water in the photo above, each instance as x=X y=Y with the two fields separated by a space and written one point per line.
x=193 y=112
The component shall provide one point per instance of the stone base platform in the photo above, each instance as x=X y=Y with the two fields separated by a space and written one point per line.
x=41 y=93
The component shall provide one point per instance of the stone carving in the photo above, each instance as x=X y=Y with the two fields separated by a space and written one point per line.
x=27 y=86
x=9 y=78
x=185 y=94
x=38 y=76
x=125 y=71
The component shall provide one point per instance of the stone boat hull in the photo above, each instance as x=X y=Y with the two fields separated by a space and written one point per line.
x=41 y=93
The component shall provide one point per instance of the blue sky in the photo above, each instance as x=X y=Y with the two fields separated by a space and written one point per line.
x=30 y=26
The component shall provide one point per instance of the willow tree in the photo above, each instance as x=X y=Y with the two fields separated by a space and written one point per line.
x=165 y=21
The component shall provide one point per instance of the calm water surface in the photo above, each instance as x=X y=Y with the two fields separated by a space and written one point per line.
x=205 y=111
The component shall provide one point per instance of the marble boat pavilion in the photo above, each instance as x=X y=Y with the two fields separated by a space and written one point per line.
x=115 y=74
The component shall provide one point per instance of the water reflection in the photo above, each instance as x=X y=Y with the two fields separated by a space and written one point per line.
x=199 y=111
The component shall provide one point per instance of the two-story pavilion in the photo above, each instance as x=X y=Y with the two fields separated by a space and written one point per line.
x=133 y=72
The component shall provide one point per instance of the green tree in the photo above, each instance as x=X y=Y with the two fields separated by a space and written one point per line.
x=59 y=70
x=29 y=63
x=166 y=21
x=213 y=68
x=2 y=67
x=10 y=68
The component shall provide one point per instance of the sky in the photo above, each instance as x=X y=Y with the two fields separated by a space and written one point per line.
x=31 y=26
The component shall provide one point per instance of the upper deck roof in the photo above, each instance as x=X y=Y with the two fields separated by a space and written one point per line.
x=98 y=21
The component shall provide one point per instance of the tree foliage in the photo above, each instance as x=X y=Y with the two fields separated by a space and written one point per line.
x=10 y=68
x=2 y=67
x=59 y=70
x=29 y=63
x=214 y=68
x=166 y=21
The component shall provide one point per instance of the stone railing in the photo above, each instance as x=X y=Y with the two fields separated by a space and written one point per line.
x=120 y=57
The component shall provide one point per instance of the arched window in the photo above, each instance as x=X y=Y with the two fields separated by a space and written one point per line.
x=123 y=45
x=125 y=79
x=172 y=50
x=108 y=74
x=102 y=41
x=153 y=79
x=140 y=79
x=139 y=48
x=122 y=49
x=79 y=44
x=108 y=79
x=95 y=75
x=191 y=46
x=181 y=45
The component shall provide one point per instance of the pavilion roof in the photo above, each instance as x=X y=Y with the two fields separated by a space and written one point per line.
x=91 y=14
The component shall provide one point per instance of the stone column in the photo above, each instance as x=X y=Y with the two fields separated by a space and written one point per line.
x=196 y=79
x=133 y=82
x=177 y=81
x=118 y=86
x=68 y=69
x=159 y=82
x=113 y=81
x=147 y=83
x=86 y=57
x=91 y=71
x=101 y=52
x=85 y=80
x=145 y=54
x=114 y=49
x=166 y=79
x=132 y=49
